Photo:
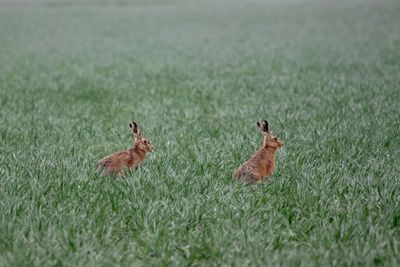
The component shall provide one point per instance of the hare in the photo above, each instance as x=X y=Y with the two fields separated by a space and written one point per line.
x=131 y=158
x=262 y=163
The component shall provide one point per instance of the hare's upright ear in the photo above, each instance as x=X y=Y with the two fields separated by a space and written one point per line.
x=135 y=129
x=263 y=126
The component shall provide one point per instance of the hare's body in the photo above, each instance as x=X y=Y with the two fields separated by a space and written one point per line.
x=129 y=159
x=262 y=163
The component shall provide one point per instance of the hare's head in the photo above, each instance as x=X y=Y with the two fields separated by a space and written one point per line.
x=270 y=140
x=140 y=142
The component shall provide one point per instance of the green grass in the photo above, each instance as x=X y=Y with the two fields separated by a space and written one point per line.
x=196 y=76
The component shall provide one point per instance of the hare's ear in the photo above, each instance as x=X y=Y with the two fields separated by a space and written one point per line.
x=263 y=126
x=135 y=129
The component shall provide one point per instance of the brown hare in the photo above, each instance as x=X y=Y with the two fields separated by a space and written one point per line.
x=131 y=158
x=262 y=163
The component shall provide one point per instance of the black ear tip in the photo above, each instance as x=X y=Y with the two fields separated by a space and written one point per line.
x=130 y=125
x=258 y=124
x=266 y=122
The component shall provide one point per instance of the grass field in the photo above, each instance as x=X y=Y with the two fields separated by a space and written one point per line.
x=196 y=76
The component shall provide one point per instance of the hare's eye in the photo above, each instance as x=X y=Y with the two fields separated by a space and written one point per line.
x=275 y=139
x=145 y=141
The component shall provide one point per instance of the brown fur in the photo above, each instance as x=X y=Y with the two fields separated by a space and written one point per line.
x=131 y=158
x=262 y=163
